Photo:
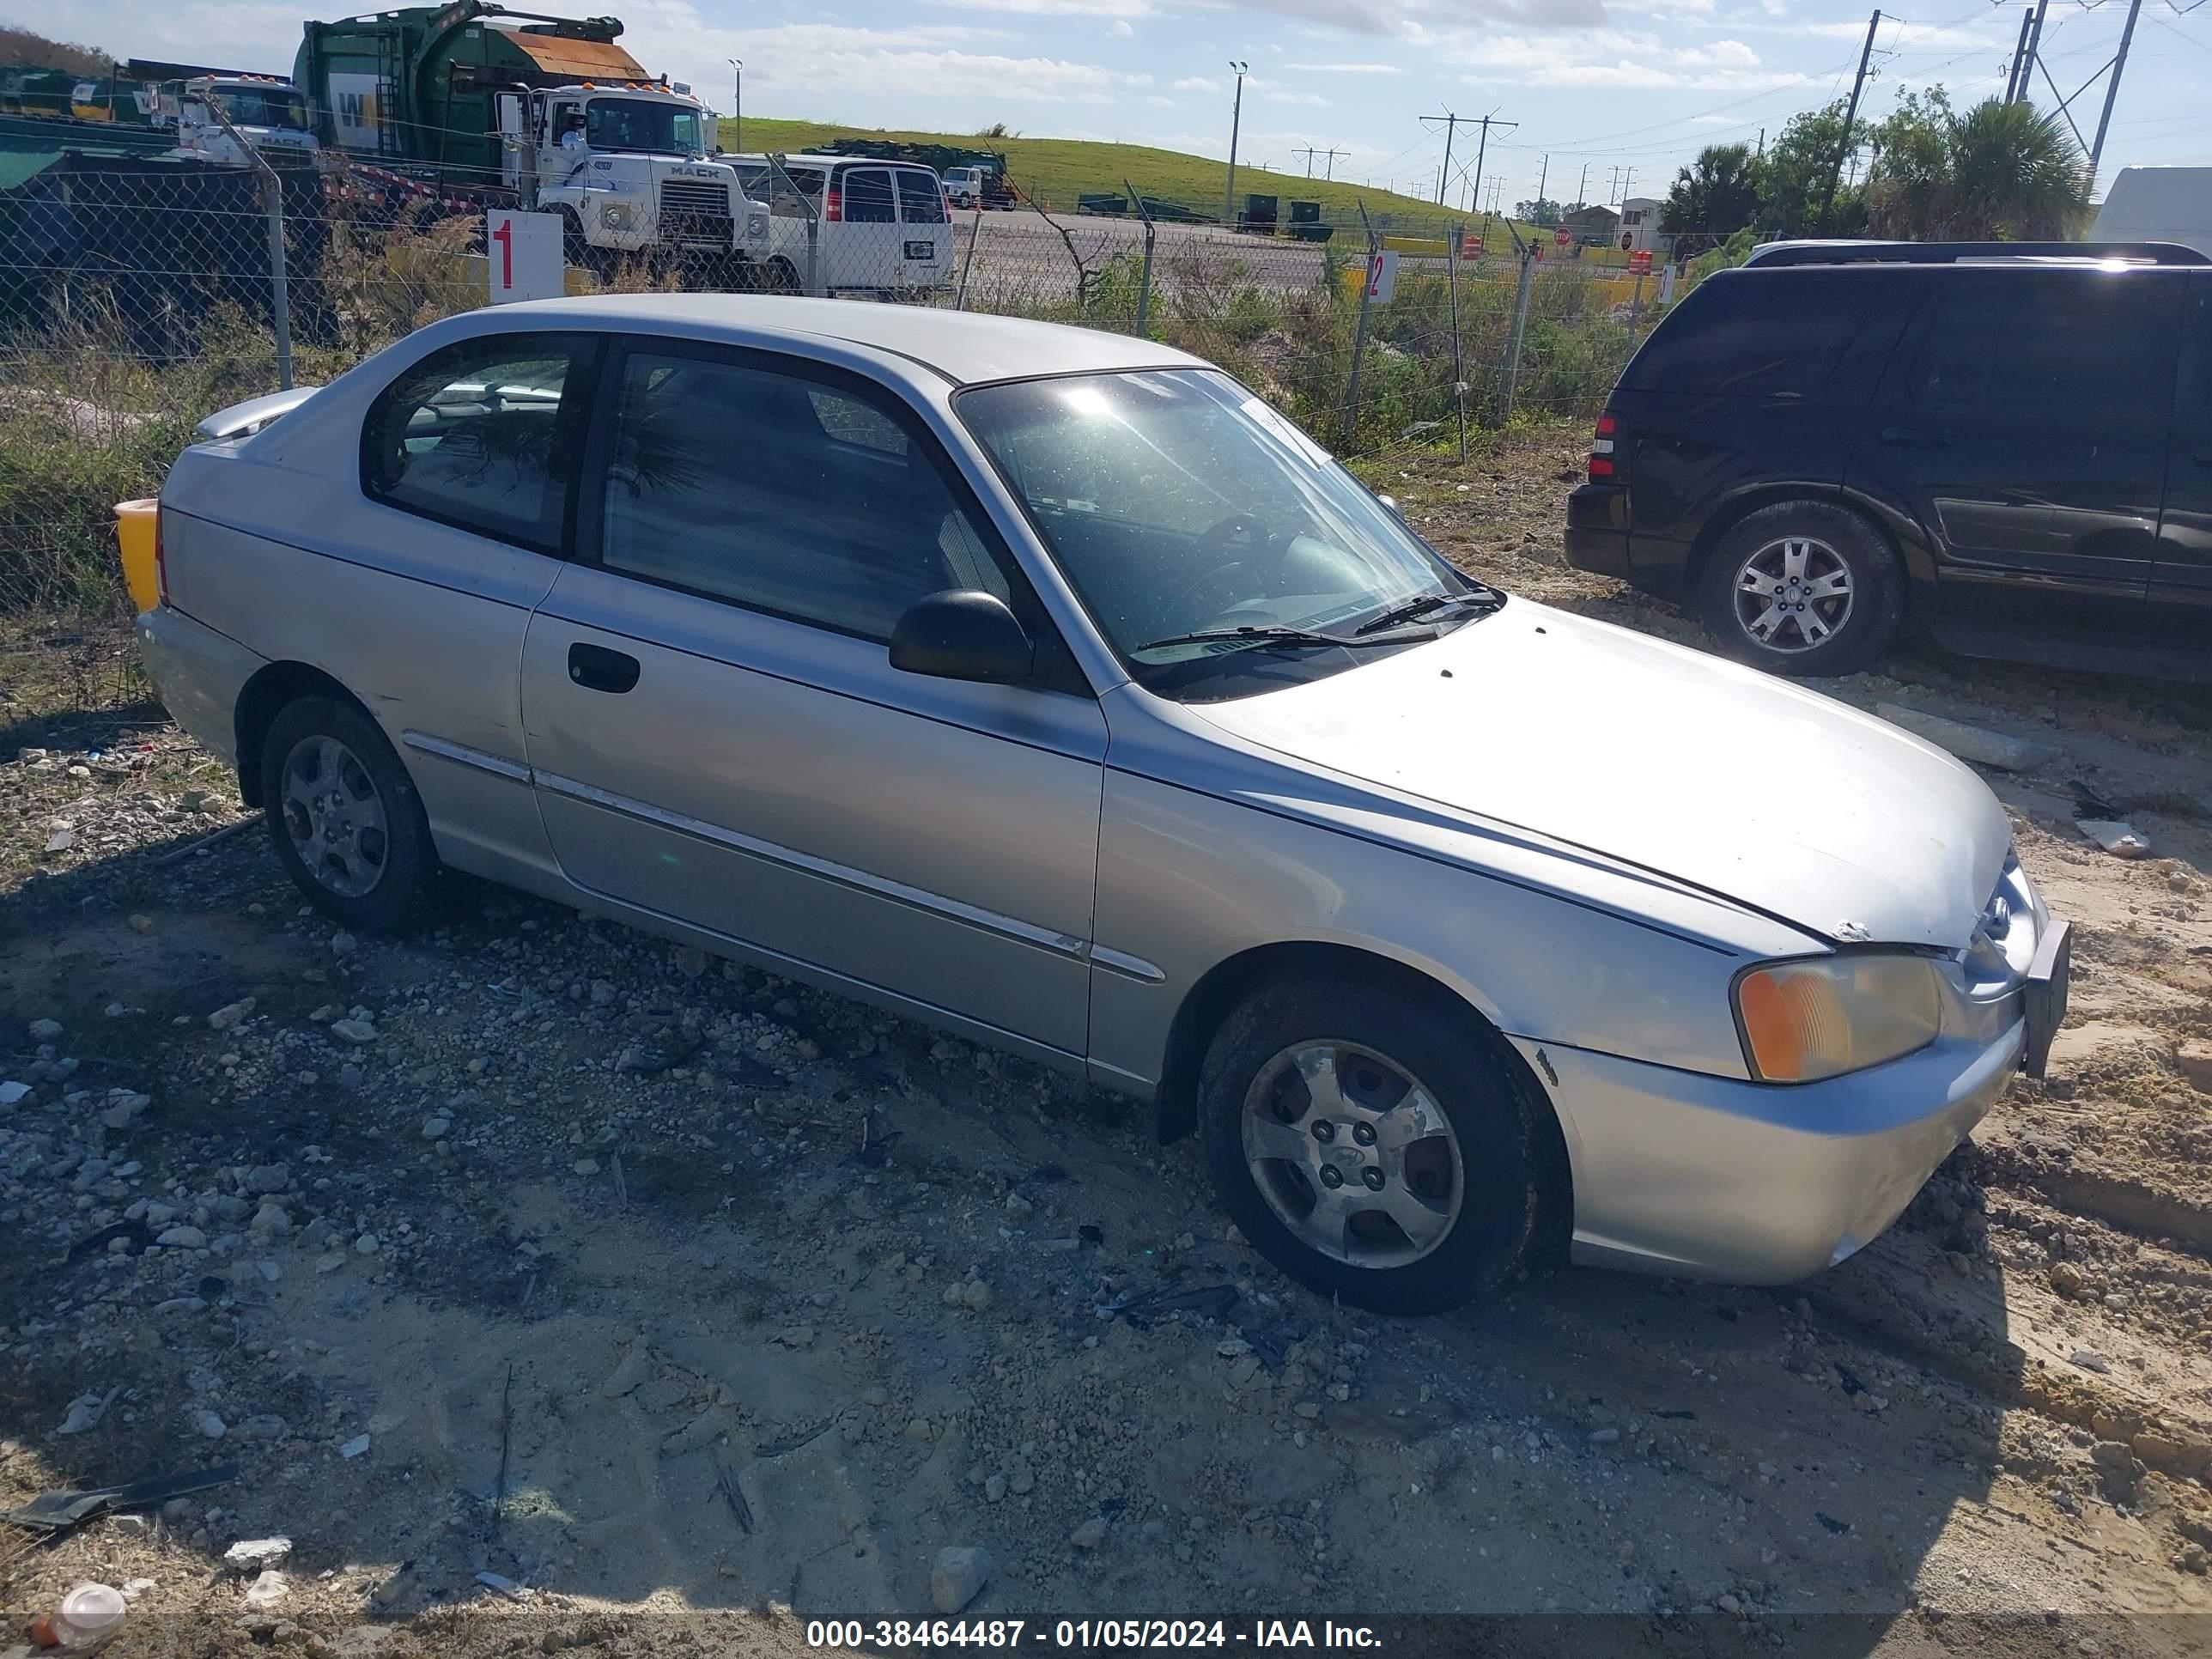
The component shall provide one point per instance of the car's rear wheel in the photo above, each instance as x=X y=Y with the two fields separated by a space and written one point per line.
x=348 y=825
x=1371 y=1145
x=1803 y=587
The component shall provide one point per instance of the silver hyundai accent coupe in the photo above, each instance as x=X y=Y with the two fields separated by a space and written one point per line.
x=1048 y=686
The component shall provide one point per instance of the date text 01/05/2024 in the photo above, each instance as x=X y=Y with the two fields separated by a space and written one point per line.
x=893 y=1635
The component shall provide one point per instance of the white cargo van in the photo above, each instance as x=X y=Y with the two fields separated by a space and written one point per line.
x=2158 y=204
x=885 y=228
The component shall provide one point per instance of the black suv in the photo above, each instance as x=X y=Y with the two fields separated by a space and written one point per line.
x=2009 y=448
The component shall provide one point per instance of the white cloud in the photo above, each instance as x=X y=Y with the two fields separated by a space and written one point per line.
x=1121 y=30
x=1614 y=57
x=1059 y=8
x=1198 y=83
x=1712 y=120
x=1347 y=68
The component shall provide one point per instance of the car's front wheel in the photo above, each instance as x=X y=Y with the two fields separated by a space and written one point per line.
x=1369 y=1144
x=348 y=825
x=1803 y=587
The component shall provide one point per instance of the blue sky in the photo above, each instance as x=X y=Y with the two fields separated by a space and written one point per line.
x=1609 y=85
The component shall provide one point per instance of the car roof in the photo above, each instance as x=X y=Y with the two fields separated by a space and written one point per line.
x=963 y=347
x=813 y=160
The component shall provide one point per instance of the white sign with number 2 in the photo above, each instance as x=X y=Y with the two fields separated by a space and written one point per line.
x=1382 y=276
x=524 y=252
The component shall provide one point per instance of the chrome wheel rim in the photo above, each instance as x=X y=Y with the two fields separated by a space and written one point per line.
x=335 y=816
x=1795 y=594
x=1352 y=1154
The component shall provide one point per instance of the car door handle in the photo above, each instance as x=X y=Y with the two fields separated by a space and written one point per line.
x=598 y=669
x=1927 y=437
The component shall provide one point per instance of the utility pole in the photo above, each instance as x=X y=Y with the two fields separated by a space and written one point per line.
x=1236 y=120
x=1331 y=152
x=1762 y=143
x=737 y=99
x=1307 y=152
x=2019 y=55
x=1851 y=120
x=1452 y=123
x=1580 y=187
x=2112 y=89
x=2035 y=46
x=1542 y=179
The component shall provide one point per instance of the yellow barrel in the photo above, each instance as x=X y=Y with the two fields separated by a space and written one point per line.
x=134 y=534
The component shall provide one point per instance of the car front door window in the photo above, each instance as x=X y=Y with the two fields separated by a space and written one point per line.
x=822 y=510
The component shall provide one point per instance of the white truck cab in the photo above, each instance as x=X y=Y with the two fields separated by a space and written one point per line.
x=269 y=113
x=963 y=186
x=629 y=169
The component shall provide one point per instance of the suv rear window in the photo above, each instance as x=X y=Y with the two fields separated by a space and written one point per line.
x=1764 y=334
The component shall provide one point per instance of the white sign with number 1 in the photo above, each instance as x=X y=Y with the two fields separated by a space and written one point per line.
x=524 y=252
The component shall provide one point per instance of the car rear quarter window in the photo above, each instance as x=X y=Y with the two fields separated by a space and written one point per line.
x=921 y=200
x=480 y=435
x=1765 y=334
x=2089 y=346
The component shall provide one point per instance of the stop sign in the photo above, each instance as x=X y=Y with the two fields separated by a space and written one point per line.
x=1561 y=237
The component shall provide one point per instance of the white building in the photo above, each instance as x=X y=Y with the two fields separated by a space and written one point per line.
x=1639 y=228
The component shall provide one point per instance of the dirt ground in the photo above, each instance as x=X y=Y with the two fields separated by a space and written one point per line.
x=692 y=1305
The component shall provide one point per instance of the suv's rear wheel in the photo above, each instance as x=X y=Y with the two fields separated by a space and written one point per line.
x=1368 y=1144
x=1803 y=587
x=348 y=825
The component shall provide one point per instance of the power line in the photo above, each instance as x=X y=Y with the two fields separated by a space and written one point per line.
x=1452 y=123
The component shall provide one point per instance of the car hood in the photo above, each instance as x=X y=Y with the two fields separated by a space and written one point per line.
x=1663 y=758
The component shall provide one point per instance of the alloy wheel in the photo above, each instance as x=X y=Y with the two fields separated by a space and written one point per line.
x=1793 y=594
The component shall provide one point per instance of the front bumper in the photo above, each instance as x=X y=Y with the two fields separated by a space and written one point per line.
x=1677 y=1172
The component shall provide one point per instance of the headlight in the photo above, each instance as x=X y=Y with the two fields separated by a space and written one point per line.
x=614 y=215
x=1828 y=1015
x=756 y=224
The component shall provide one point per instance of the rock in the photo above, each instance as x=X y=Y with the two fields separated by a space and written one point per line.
x=182 y=1238
x=318 y=1233
x=1308 y=1409
x=1021 y=1479
x=1970 y=743
x=1604 y=1437
x=2117 y=1471
x=44 y=1030
x=2067 y=1279
x=367 y=1244
x=12 y=1093
x=343 y=944
x=353 y=1030
x=262 y=1179
x=994 y=1487
x=259 y=1553
x=272 y=1218
x=690 y=960
x=436 y=1128
x=2195 y=1059
x=354 y=1447
x=2090 y=1360
x=229 y=1015
x=141 y=923
x=265 y=1425
x=957 y=1576
x=1018 y=1206
x=1090 y=1534
x=124 y=1108
x=207 y=1423
x=586 y=1166
x=2122 y=840
x=267 y=1591
x=360 y=1642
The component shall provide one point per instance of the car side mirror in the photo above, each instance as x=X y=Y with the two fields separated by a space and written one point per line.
x=963 y=635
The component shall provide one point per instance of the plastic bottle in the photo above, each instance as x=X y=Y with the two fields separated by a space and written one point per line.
x=89 y=1616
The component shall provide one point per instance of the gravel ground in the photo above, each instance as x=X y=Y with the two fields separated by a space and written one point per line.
x=690 y=1304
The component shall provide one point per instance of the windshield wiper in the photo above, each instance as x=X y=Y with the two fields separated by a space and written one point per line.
x=1274 y=636
x=1488 y=598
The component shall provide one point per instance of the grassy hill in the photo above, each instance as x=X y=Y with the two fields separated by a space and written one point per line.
x=1056 y=171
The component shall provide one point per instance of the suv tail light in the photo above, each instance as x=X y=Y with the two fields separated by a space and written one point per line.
x=1602 y=467
x=833 y=205
x=161 y=559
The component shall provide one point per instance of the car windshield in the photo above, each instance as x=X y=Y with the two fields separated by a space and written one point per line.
x=260 y=106
x=641 y=123
x=1178 y=503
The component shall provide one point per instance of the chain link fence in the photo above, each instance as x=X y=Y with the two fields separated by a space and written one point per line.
x=139 y=293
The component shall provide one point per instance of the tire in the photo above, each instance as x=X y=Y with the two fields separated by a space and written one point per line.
x=1757 y=615
x=780 y=277
x=325 y=764
x=1424 y=1106
x=576 y=250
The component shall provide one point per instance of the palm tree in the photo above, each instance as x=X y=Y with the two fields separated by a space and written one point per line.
x=1716 y=194
x=2015 y=175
